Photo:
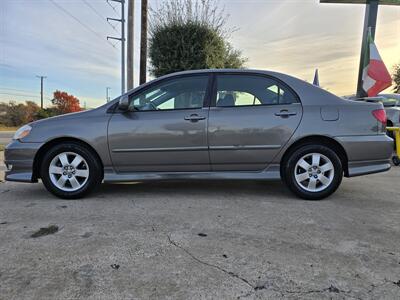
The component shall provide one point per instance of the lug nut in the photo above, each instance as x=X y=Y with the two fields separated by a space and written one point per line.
x=315 y=176
x=69 y=176
x=64 y=173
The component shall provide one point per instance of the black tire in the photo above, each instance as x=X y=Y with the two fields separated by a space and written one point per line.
x=288 y=171
x=95 y=170
x=396 y=160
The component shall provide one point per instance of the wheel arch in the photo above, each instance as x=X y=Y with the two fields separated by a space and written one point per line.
x=318 y=140
x=49 y=144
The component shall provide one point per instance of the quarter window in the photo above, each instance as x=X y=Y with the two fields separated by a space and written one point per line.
x=245 y=90
x=179 y=93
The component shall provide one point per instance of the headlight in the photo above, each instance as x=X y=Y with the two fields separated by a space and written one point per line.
x=22 y=132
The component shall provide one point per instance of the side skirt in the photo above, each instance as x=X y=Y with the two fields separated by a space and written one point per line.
x=272 y=173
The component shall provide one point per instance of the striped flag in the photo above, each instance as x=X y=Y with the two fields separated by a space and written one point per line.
x=376 y=77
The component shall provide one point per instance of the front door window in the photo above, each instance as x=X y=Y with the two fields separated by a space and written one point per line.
x=179 y=93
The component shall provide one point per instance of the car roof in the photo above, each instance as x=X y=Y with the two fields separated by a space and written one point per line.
x=309 y=94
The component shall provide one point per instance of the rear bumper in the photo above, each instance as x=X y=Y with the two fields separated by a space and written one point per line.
x=367 y=154
x=19 y=158
x=359 y=168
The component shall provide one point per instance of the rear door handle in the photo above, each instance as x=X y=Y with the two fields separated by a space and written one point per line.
x=194 y=118
x=285 y=113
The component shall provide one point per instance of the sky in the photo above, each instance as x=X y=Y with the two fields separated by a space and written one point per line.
x=65 y=40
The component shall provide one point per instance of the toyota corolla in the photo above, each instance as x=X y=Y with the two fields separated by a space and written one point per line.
x=207 y=124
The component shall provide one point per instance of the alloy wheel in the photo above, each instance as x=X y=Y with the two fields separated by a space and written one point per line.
x=69 y=171
x=314 y=172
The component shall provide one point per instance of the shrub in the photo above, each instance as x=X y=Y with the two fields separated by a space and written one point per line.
x=187 y=35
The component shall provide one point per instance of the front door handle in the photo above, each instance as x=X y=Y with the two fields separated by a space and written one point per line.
x=194 y=118
x=284 y=113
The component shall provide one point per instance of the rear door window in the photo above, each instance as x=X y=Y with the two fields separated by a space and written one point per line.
x=251 y=90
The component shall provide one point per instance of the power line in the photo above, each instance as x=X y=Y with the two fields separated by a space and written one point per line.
x=99 y=14
x=19 y=95
x=12 y=89
x=79 y=21
x=23 y=95
x=113 y=7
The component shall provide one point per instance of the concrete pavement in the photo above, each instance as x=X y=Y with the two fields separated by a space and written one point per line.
x=202 y=240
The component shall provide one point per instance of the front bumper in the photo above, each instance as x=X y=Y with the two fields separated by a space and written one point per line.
x=19 y=158
x=367 y=154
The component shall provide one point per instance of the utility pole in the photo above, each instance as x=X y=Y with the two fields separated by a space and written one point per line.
x=143 y=43
x=41 y=89
x=107 y=96
x=130 y=46
x=122 y=40
x=371 y=14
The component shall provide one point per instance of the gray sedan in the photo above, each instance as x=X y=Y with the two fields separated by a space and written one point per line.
x=207 y=124
x=391 y=103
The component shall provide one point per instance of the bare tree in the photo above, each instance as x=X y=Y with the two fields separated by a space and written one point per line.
x=180 y=12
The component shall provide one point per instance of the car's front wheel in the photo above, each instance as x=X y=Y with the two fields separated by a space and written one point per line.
x=70 y=171
x=313 y=172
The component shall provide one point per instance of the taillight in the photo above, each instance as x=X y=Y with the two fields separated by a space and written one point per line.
x=380 y=115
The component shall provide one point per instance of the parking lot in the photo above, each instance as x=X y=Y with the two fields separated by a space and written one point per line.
x=202 y=240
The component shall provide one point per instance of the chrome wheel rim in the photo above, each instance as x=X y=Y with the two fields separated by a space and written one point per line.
x=314 y=172
x=69 y=171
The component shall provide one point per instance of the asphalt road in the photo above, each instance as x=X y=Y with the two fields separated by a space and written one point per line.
x=5 y=137
x=202 y=240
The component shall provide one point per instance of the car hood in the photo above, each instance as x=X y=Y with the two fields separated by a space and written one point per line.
x=80 y=114
x=81 y=125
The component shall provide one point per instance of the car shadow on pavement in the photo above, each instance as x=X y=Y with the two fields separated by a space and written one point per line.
x=236 y=190
x=248 y=189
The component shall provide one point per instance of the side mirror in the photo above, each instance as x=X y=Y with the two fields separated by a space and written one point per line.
x=123 y=103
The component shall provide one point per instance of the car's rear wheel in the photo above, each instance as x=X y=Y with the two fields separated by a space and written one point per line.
x=70 y=171
x=313 y=172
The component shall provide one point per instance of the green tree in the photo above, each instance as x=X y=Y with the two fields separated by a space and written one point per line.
x=46 y=113
x=396 y=78
x=190 y=34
